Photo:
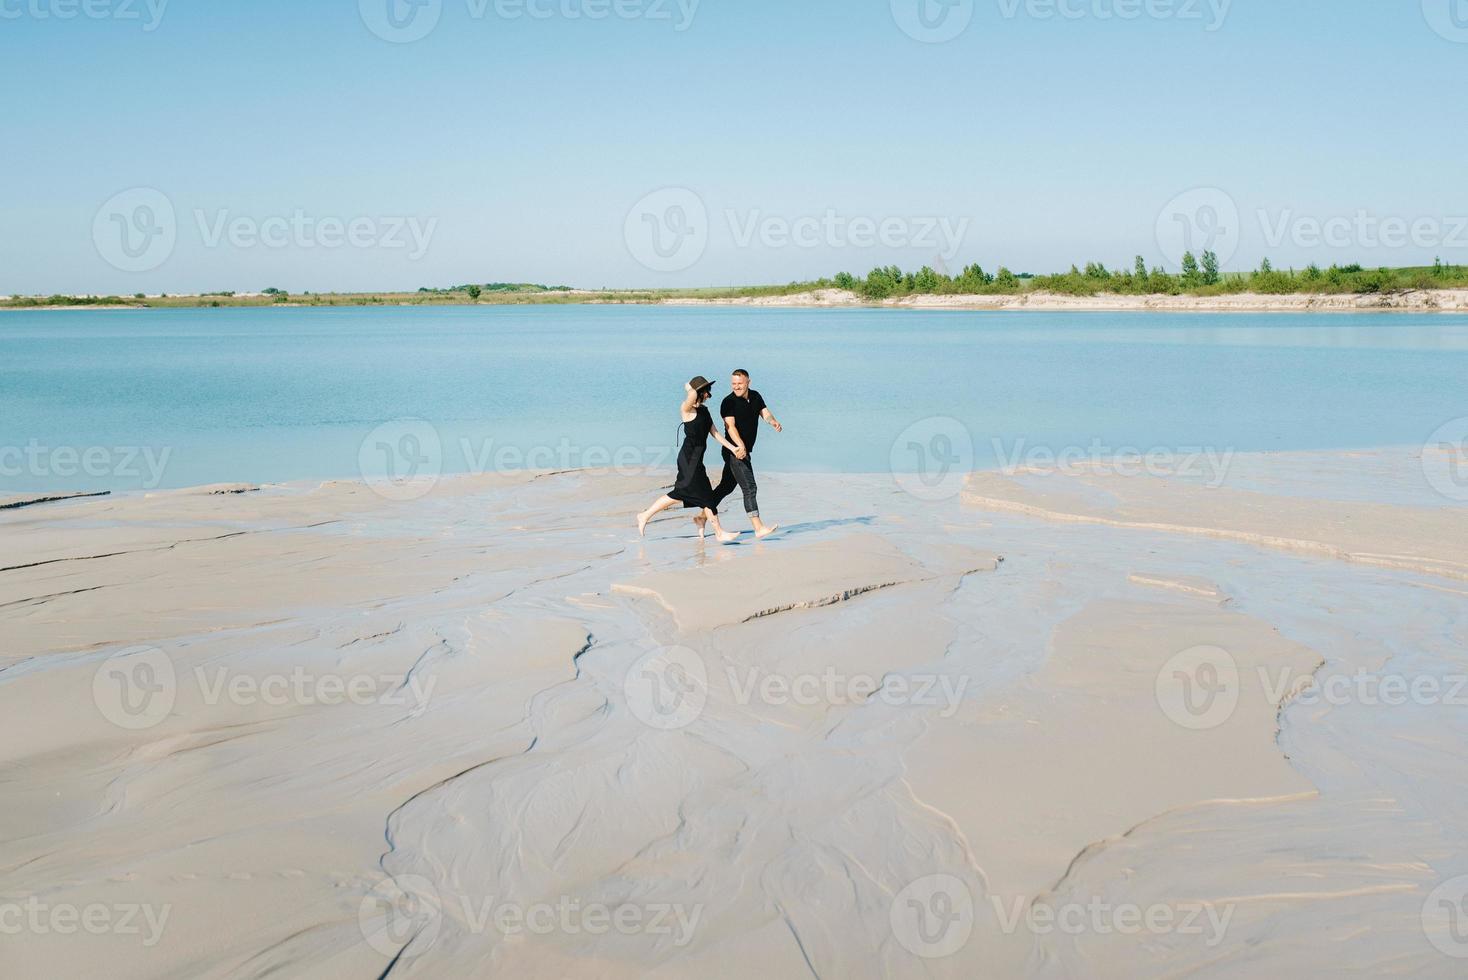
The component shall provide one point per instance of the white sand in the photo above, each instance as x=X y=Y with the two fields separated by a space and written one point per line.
x=888 y=742
x=1412 y=300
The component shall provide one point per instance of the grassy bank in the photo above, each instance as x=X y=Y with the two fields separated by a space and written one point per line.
x=452 y=296
x=1197 y=279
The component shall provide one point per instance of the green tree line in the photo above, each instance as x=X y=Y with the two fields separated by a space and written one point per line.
x=1200 y=276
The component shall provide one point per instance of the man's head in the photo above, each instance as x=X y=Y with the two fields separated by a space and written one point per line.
x=740 y=383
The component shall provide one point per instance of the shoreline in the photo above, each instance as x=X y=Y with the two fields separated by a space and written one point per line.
x=1412 y=301
x=1451 y=301
x=14 y=499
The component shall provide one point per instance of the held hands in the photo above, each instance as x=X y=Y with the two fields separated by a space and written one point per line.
x=741 y=453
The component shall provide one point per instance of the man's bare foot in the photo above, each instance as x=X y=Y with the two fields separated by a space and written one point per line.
x=727 y=536
x=642 y=520
x=765 y=532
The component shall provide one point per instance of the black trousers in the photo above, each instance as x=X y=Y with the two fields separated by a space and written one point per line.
x=740 y=473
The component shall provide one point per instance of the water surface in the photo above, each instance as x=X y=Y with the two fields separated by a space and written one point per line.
x=204 y=396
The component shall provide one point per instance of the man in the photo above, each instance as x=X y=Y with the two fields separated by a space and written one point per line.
x=741 y=411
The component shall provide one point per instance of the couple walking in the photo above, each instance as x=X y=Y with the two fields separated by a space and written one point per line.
x=741 y=411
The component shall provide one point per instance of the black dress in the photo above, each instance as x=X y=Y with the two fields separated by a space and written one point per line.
x=693 y=487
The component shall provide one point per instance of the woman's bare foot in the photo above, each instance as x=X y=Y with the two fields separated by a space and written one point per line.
x=642 y=520
x=726 y=536
x=765 y=532
x=703 y=523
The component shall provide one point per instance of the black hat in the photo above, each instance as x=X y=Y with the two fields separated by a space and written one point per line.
x=699 y=383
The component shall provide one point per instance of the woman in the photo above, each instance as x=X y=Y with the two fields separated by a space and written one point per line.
x=693 y=488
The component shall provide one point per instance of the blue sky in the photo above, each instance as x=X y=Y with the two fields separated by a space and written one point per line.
x=526 y=148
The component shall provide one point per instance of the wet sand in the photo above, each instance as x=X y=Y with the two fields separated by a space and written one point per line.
x=1054 y=724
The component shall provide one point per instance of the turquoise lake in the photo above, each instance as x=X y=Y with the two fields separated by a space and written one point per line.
x=208 y=396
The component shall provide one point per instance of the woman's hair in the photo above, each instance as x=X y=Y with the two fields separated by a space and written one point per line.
x=704 y=393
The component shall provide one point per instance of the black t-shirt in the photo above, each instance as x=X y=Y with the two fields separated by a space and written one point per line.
x=745 y=412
